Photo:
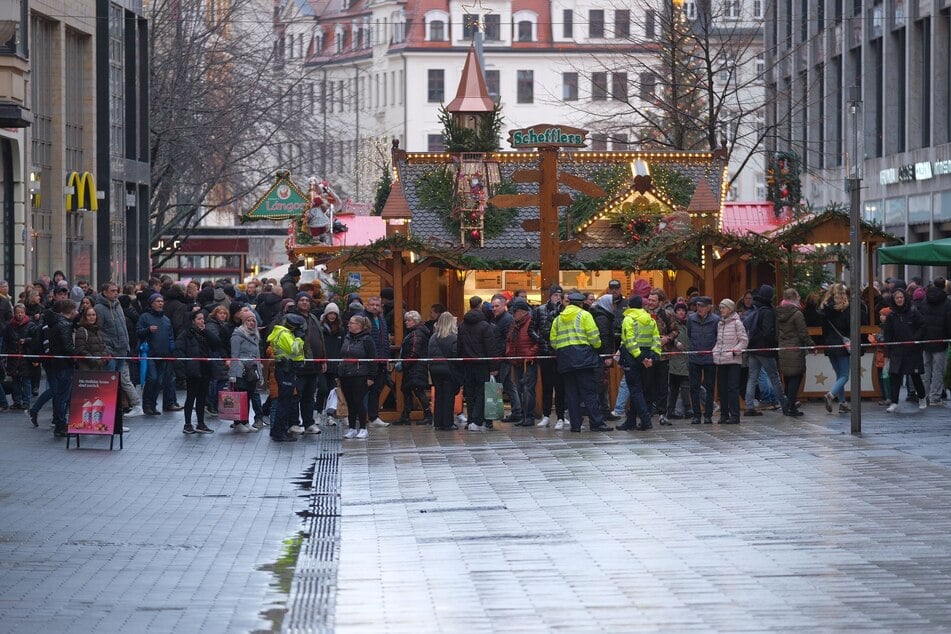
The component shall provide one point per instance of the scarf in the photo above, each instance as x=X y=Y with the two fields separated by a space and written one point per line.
x=789 y=302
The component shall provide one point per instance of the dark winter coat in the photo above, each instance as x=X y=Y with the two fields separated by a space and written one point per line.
x=835 y=325
x=522 y=341
x=604 y=320
x=15 y=333
x=61 y=342
x=792 y=332
x=218 y=334
x=904 y=324
x=162 y=341
x=546 y=314
x=268 y=306
x=445 y=348
x=90 y=343
x=476 y=340
x=177 y=308
x=112 y=325
x=313 y=336
x=703 y=336
x=936 y=315
x=415 y=346
x=762 y=323
x=333 y=341
x=502 y=325
x=359 y=346
x=192 y=342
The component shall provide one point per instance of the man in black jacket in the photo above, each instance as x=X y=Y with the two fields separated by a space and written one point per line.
x=61 y=344
x=762 y=334
x=936 y=314
x=502 y=320
x=477 y=340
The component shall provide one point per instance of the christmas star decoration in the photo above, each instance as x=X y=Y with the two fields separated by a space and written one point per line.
x=477 y=9
x=821 y=378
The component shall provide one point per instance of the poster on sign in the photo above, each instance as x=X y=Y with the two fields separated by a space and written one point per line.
x=92 y=404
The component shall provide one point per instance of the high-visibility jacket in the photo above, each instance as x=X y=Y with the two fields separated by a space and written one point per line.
x=285 y=345
x=575 y=339
x=639 y=331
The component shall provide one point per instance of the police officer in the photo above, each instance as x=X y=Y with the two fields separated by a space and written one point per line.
x=575 y=340
x=288 y=348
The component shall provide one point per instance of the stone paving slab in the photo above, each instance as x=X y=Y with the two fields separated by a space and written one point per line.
x=771 y=525
x=166 y=535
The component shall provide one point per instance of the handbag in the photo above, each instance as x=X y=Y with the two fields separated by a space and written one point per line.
x=494 y=407
x=252 y=374
x=845 y=340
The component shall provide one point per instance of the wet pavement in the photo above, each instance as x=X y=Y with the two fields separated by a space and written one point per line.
x=771 y=525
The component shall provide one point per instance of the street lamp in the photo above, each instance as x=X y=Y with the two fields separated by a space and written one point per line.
x=855 y=163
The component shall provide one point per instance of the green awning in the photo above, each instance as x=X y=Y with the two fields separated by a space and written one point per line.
x=932 y=253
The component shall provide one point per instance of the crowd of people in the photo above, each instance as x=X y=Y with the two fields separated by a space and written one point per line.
x=310 y=355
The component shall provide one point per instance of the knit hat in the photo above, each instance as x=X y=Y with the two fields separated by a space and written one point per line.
x=206 y=296
x=153 y=297
x=355 y=307
x=703 y=300
x=729 y=303
x=332 y=308
x=766 y=293
x=576 y=298
x=556 y=289
x=919 y=294
x=386 y=293
x=303 y=295
x=219 y=295
x=287 y=301
x=636 y=301
x=229 y=291
x=521 y=304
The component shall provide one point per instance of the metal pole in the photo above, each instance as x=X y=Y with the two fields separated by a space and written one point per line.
x=855 y=302
x=855 y=164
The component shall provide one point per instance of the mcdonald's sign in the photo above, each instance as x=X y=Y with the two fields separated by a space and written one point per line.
x=84 y=185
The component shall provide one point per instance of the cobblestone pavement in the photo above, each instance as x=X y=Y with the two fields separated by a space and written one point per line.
x=771 y=525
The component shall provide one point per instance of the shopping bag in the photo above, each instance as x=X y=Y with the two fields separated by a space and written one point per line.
x=342 y=410
x=331 y=406
x=232 y=405
x=494 y=407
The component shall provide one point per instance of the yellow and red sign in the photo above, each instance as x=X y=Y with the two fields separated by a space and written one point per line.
x=84 y=185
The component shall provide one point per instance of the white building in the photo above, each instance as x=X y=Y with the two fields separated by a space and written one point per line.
x=379 y=70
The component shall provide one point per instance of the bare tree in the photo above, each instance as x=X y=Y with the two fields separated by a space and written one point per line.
x=686 y=76
x=223 y=119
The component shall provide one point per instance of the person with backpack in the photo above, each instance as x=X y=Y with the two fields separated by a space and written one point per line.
x=17 y=340
x=763 y=342
x=61 y=345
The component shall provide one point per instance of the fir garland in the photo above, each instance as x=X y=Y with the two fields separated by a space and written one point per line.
x=435 y=189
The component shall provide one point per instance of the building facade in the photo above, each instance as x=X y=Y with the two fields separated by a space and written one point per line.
x=380 y=69
x=890 y=63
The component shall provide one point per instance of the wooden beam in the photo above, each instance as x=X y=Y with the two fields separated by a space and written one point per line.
x=526 y=176
x=579 y=184
x=385 y=275
x=559 y=199
x=514 y=200
x=532 y=224
x=570 y=246
x=550 y=240
x=420 y=266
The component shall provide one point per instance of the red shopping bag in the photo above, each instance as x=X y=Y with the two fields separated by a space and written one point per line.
x=456 y=405
x=232 y=405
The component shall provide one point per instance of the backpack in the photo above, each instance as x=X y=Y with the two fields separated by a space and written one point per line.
x=40 y=343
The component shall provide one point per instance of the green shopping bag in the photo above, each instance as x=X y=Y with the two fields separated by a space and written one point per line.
x=494 y=407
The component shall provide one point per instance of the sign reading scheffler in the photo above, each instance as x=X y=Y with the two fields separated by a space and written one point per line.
x=547 y=135
x=92 y=406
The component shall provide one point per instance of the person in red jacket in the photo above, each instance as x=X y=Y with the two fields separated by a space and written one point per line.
x=522 y=341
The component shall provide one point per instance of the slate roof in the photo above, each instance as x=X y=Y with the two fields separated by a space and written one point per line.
x=516 y=244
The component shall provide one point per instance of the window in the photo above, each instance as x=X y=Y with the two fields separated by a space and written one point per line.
x=492 y=83
x=622 y=23
x=599 y=86
x=569 y=86
x=727 y=70
x=470 y=24
x=760 y=64
x=690 y=9
x=595 y=23
x=619 y=86
x=525 y=31
x=437 y=31
x=650 y=25
x=731 y=9
x=648 y=86
x=493 y=28
x=436 y=91
x=599 y=142
x=619 y=142
x=435 y=143
x=525 y=87
x=758 y=9
x=567 y=23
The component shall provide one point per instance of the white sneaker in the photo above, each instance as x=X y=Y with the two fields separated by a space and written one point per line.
x=259 y=422
x=296 y=429
x=474 y=427
x=891 y=409
x=543 y=422
x=922 y=404
x=351 y=433
x=620 y=414
x=363 y=434
x=136 y=411
x=125 y=430
x=560 y=424
x=461 y=418
x=312 y=429
x=243 y=428
x=379 y=422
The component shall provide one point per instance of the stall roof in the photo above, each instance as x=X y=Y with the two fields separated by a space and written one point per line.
x=931 y=253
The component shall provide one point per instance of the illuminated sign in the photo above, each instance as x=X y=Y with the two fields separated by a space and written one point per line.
x=283 y=200
x=922 y=171
x=83 y=185
x=547 y=135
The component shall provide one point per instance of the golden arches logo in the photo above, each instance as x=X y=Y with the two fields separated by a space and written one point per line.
x=84 y=185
